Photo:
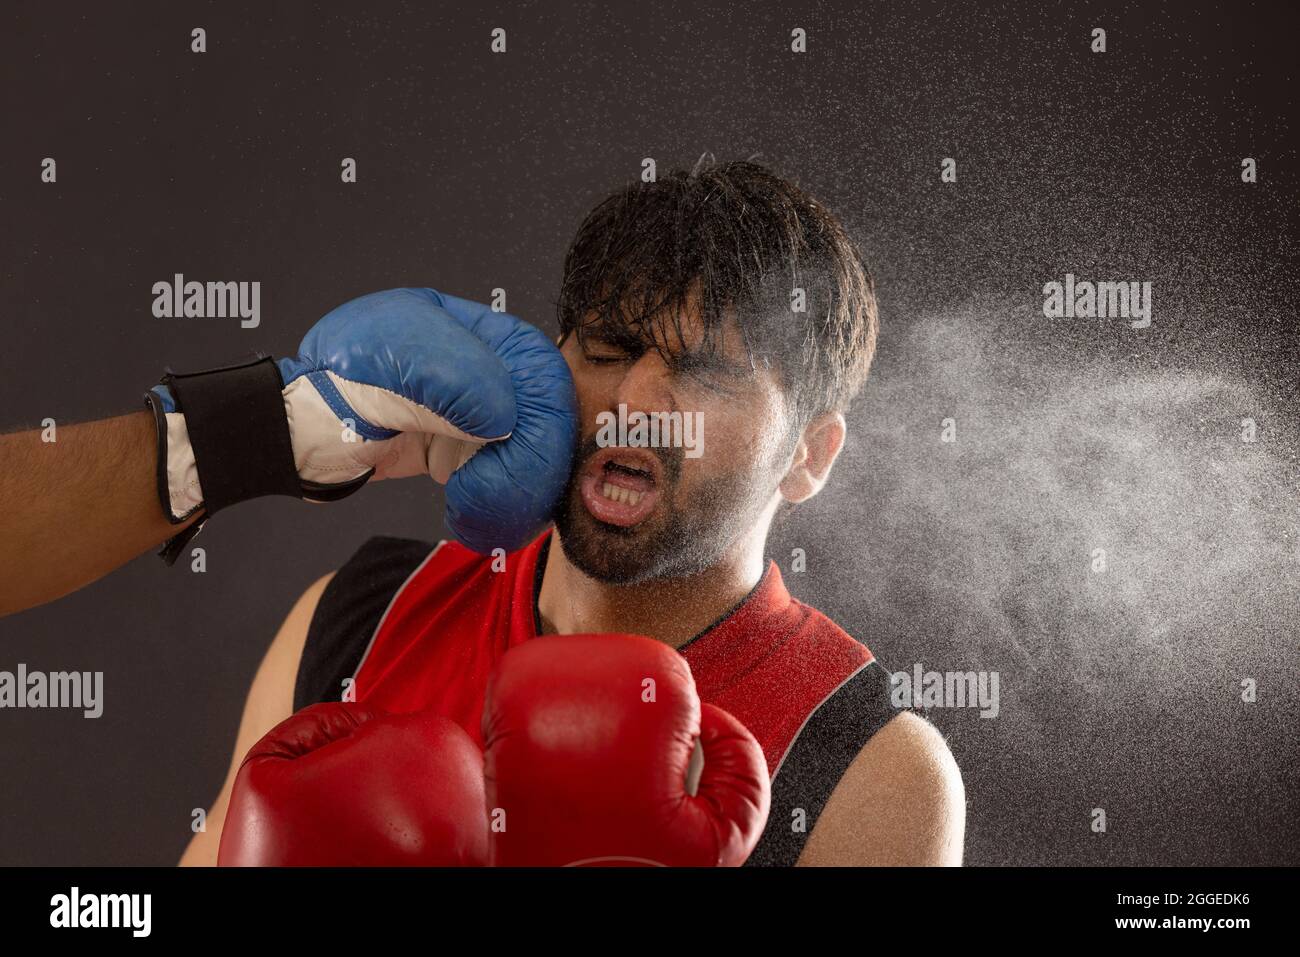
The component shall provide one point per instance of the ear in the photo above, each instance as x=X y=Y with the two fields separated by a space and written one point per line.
x=814 y=454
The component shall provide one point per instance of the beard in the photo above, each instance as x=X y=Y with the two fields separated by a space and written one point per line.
x=688 y=533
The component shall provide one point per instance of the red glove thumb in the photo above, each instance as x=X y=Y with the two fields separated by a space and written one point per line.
x=734 y=793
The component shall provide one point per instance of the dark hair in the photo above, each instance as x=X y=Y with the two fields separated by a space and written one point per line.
x=728 y=236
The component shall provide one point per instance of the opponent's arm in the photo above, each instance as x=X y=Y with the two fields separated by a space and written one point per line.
x=394 y=384
x=74 y=509
x=900 y=803
x=270 y=701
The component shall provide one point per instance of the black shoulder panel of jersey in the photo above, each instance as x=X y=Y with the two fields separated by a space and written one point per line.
x=348 y=613
x=820 y=754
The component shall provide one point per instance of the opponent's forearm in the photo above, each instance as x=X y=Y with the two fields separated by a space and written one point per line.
x=73 y=509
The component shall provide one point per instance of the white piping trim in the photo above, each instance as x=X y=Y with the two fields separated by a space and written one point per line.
x=780 y=764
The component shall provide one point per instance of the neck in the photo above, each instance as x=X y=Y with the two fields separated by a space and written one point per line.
x=671 y=610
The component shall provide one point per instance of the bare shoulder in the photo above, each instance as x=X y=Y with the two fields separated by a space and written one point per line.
x=901 y=802
x=270 y=698
x=269 y=701
x=286 y=649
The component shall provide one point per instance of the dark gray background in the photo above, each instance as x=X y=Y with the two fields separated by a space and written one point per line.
x=474 y=171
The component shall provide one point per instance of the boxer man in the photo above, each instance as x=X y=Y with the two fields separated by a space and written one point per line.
x=729 y=294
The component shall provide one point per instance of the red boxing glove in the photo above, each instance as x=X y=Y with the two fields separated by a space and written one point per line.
x=587 y=744
x=339 y=785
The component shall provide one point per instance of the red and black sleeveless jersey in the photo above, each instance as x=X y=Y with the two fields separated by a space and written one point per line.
x=412 y=627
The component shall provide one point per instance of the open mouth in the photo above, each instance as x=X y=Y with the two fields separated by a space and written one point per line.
x=620 y=486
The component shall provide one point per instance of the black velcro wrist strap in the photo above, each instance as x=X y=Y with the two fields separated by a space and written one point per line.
x=238 y=430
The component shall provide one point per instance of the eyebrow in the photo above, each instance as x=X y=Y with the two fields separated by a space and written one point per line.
x=617 y=337
x=714 y=363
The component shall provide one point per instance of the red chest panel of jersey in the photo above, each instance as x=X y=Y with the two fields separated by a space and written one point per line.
x=770 y=662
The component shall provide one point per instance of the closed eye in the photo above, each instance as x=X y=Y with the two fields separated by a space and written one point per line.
x=711 y=371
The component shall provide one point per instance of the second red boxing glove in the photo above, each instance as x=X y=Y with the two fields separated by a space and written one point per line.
x=341 y=785
x=587 y=745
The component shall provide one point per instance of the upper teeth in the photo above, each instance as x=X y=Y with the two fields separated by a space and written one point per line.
x=619 y=494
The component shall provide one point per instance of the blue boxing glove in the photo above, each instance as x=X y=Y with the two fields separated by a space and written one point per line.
x=396 y=383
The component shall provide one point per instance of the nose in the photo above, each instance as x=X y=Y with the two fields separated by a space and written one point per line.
x=645 y=386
